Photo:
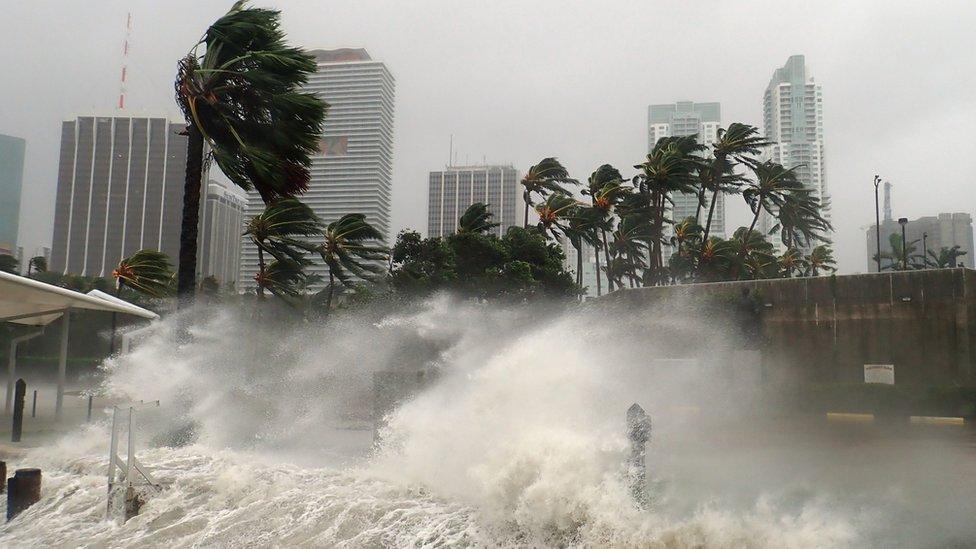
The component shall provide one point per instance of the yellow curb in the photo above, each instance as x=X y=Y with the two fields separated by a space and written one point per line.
x=934 y=420
x=854 y=418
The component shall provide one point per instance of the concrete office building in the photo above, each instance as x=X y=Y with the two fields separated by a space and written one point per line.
x=11 y=182
x=793 y=121
x=120 y=189
x=221 y=222
x=353 y=171
x=682 y=119
x=453 y=189
x=930 y=233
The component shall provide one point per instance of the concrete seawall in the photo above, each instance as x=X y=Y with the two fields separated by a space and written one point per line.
x=824 y=329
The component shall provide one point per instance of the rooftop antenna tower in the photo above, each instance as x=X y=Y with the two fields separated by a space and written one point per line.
x=125 y=59
x=887 y=201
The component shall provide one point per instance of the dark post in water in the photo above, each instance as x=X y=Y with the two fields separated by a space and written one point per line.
x=639 y=432
x=23 y=490
x=19 y=394
x=34 y=405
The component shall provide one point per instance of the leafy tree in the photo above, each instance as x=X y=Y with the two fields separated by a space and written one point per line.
x=9 y=264
x=543 y=179
x=242 y=97
x=421 y=265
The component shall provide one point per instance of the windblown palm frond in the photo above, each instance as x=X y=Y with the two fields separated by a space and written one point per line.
x=476 y=219
x=543 y=179
x=147 y=271
x=244 y=95
x=351 y=250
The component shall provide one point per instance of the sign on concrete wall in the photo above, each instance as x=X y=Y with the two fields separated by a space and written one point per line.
x=879 y=373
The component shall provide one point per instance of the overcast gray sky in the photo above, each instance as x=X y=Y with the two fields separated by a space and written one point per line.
x=518 y=80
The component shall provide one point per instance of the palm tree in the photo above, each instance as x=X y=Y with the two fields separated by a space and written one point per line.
x=37 y=263
x=799 y=220
x=754 y=256
x=553 y=212
x=945 y=258
x=735 y=143
x=476 y=219
x=792 y=261
x=671 y=167
x=606 y=190
x=241 y=97
x=276 y=231
x=350 y=251
x=821 y=258
x=630 y=243
x=148 y=272
x=546 y=177
x=768 y=191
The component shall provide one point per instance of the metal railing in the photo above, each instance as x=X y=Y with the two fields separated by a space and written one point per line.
x=131 y=466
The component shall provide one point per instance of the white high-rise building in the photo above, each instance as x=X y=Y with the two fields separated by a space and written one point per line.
x=451 y=191
x=354 y=169
x=221 y=224
x=682 y=119
x=793 y=121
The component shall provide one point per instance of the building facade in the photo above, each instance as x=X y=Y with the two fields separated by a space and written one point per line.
x=793 y=122
x=221 y=223
x=12 y=151
x=925 y=234
x=120 y=189
x=353 y=171
x=682 y=119
x=451 y=190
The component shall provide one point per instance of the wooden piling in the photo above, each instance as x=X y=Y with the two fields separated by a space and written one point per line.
x=3 y=475
x=89 y=408
x=19 y=394
x=639 y=432
x=23 y=490
x=34 y=406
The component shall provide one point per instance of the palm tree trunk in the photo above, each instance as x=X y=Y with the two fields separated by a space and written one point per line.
x=111 y=343
x=261 y=272
x=328 y=303
x=701 y=198
x=596 y=254
x=186 y=277
x=606 y=255
x=525 y=198
x=711 y=211
x=579 y=264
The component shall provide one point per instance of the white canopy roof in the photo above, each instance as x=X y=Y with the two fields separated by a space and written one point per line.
x=27 y=301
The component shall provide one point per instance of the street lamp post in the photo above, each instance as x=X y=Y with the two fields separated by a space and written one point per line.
x=903 y=221
x=877 y=219
x=925 y=249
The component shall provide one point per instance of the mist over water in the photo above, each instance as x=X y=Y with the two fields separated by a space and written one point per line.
x=264 y=437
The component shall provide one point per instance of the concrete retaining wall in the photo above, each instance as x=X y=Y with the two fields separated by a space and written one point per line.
x=824 y=329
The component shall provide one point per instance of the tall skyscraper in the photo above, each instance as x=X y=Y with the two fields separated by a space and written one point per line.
x=452 y=190
x=354 y=170
x=120 y=189
x=682 y=119
x=221 y=223
x=11 y=181
x=793 y=121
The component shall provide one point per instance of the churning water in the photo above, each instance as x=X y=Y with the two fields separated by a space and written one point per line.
x=264 y=438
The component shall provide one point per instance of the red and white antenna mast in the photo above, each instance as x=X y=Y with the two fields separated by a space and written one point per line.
x=125 y=59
